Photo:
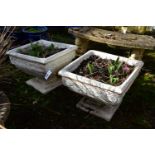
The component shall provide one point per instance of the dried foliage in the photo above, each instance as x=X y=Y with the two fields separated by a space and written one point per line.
x=5 y=41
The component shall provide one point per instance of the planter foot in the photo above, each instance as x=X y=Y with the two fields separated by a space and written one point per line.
x=44 y=86
x=97 y=108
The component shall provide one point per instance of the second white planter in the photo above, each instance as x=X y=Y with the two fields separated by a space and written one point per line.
x=45 y=69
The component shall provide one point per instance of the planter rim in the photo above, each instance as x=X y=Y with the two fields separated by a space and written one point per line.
x=65 y=72
x=14 y=52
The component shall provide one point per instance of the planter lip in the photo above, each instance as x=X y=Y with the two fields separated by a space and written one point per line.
x=68 y=47
x=65 y=72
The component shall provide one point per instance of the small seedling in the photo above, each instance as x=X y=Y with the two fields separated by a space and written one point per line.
x=113 y=80
x=113 y=68
x=90 y=68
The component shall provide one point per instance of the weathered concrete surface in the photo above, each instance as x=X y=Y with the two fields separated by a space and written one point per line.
x=44 y=86
x=40 y=66
x=110 y=95
x=96 y=108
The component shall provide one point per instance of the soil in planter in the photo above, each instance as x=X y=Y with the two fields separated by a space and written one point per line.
x=41 y=51
x=103 y=70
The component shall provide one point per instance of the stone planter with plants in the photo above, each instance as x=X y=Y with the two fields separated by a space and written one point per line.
x=103 y=78
x=42 y=59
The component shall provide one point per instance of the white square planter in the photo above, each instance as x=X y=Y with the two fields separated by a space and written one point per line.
x=40 y=66
x=105 y=93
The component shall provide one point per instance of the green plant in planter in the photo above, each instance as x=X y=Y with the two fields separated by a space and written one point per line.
x=40 y=51
x=50 y=48
x=36 y=50
x=113 y=69
x=90 y=68
x=113 y=79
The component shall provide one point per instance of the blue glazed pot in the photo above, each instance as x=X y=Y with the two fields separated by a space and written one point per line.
x=34 y=33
